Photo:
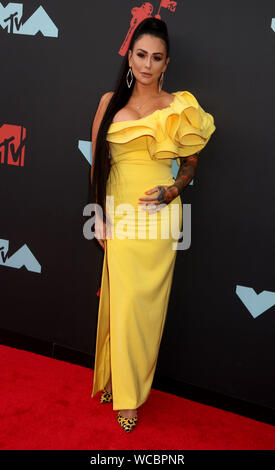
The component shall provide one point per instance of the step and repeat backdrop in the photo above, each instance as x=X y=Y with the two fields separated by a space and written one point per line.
x=58 y=58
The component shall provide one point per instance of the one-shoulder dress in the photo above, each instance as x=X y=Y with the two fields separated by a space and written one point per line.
x=139 y=258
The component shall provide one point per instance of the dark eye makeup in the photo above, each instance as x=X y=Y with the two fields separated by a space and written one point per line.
x=142 y=55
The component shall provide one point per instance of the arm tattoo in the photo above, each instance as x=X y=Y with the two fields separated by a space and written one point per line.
x=186 y=173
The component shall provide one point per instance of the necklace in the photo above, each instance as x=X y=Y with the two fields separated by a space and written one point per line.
x=139 y=106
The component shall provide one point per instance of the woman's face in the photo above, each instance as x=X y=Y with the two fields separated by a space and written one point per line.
x=148 y=57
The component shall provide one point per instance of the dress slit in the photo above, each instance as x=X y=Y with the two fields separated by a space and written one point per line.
x=102 y=366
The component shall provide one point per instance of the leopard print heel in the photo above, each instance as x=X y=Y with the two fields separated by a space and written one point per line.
x=128 y=424
x=106 y=397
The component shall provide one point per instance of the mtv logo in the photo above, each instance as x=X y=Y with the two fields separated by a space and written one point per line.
x=12 y=144
x=255 y=303
x=22 y=257
x=39 y=21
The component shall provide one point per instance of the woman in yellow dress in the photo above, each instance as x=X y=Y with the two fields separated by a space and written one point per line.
x=137 y=131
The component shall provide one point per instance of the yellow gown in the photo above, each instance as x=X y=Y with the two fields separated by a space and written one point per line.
x=138 y=263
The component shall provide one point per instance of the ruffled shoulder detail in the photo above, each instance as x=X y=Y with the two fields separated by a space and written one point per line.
x=181 y=129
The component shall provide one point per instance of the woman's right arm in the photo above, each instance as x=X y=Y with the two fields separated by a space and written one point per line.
x=104 y=101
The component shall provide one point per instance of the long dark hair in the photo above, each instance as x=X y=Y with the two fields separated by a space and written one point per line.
x=154 y=27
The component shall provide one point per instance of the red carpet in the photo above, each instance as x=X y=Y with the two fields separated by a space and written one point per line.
x=46 y=405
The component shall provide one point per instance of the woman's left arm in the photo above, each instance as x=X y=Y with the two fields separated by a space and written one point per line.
x=166 y=194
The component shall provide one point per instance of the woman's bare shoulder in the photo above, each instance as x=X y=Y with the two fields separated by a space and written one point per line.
x=101 y=108
x=103 y=103
x=107 y=96
x=168 y=97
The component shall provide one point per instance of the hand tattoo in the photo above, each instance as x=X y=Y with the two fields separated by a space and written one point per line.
x=167 y=194
x=187 y=170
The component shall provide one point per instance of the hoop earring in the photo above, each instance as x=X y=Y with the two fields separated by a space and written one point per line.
x=161 y=81
x=132 y=77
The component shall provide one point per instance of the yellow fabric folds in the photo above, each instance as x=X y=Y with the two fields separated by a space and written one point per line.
x=179 y=130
